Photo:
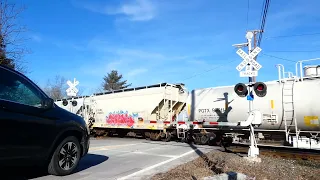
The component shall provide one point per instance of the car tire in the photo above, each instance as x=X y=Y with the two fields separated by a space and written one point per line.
x=65 y=157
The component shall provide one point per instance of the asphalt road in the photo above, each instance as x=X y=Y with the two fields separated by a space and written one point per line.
x=127 y=158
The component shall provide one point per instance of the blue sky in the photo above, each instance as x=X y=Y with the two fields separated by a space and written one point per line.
x=153 y=41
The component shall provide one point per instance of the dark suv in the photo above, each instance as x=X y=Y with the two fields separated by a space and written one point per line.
x=34 y=130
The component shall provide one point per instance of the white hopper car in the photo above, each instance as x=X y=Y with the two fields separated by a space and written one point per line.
x=290 y=109
x=144 y=110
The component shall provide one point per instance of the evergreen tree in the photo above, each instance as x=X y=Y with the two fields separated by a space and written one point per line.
x=113 y=81
x=4 y=60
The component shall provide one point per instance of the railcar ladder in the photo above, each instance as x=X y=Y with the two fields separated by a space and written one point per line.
x=168 y=102
x=289 y=116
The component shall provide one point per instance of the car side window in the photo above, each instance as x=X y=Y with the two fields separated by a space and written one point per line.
x=17 y=89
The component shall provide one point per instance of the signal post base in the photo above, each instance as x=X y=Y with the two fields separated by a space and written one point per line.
x=253 y=154
x=253 y=159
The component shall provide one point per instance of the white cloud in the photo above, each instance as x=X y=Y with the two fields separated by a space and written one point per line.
x=140 y=54
x=137 y=71
x=135 y=10
x=65 y=44
x=113 y=65
x=36 y=38
x=139 y=10
x=197 y=62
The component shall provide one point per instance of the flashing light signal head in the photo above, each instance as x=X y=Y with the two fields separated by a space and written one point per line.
x=241 y=89
x=260 y=89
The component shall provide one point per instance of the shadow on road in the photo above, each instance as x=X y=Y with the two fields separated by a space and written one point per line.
x=210 y=164
x=91 y=160
x=19 y=173
x=215 y=166
x=232 y=152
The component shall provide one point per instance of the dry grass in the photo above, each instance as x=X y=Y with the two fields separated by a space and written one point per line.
x=217 y=162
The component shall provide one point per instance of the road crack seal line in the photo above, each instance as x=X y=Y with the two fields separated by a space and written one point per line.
x=156 y=165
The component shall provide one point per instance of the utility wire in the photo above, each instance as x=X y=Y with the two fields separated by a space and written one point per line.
x=263 y=20
x=283 y=59
x=296 y=51
x=279 y=57
x=262 y=11
x=295 y=35
x=209 y=70
x=217 y=67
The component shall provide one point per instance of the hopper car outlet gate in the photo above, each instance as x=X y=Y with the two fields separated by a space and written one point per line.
x=285 y=111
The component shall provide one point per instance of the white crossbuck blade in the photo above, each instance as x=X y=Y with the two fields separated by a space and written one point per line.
x=249 y=59
x=72 y=90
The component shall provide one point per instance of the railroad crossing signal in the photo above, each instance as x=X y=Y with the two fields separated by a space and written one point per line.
x=241 y=89
x=248 y=59
x=72 y=90
x=259 y=88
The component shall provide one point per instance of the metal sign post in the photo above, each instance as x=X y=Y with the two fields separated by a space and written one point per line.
x=249 y=63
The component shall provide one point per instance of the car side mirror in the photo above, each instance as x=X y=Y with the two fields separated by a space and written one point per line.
x=48 y=103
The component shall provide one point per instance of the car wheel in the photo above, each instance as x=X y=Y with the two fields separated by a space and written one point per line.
x=65 y=157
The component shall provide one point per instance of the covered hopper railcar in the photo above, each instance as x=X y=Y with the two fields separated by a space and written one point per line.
x=146 y=111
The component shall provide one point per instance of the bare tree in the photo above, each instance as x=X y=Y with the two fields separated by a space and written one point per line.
x=11 y=44
x=56 y=88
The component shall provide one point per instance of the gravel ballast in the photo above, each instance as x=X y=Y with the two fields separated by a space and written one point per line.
x=217 y=162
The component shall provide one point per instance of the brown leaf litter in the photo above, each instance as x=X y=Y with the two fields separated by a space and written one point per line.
x=269 y=168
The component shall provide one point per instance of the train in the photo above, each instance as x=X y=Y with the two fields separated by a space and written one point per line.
x=285 y=113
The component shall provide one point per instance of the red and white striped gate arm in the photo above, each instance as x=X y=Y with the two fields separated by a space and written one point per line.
x=157 y=122
x=188 y=122
x=212 y=123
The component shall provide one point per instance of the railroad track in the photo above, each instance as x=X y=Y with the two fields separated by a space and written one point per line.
x=270 y=151
x=279 y=152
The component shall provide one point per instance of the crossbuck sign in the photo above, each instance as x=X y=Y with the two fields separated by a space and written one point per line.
x=248 y=59
x=72 y=90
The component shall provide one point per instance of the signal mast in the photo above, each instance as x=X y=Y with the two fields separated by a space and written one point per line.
x=243 y=90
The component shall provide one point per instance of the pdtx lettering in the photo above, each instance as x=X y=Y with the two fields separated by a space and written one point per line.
x=213 y=110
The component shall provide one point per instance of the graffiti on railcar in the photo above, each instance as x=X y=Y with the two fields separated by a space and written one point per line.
x=121 y=118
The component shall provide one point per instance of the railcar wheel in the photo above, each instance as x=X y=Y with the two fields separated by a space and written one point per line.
x=204 y=139
x=157 y=136
x=183 y=140
x=147 y=135
x=65 y=157
x=167 y=137
x=122 y=134
x=153 y=136
x=197 y=139
x=217 y=142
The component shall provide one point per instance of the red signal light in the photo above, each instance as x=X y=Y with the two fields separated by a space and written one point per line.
x=241 y=89
x=260 y=89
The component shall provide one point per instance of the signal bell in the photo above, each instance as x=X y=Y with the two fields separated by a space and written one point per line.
x=260 y=89
x=241 y=90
